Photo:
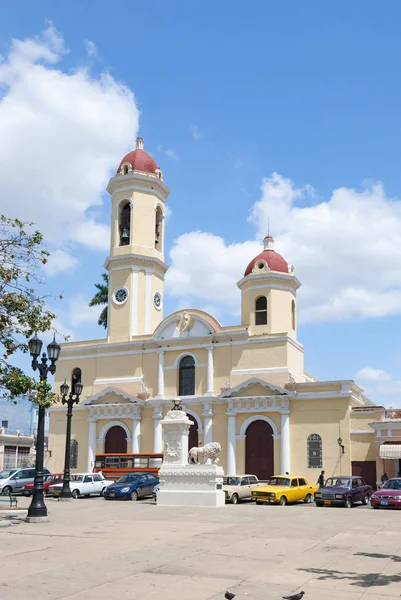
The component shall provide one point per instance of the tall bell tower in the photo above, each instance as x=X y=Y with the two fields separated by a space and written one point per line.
x=136 y=264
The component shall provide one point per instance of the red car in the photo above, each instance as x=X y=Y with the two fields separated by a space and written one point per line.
x=48 y=480
x=389 y=495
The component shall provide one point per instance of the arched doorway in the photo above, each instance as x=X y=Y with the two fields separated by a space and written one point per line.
x=193 y=436
x=259 y=449
x=116 y=441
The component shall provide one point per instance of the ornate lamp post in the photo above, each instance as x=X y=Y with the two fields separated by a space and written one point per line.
x=340 y=443
x=69 y=400
x=37 y=510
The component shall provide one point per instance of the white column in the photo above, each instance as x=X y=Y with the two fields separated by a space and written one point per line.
x=160 y=377
x=134 y=302
x=148 y=300
x=231 y=444
x=136 y=433
x=157 y=430
x=208 y=432
x=285 y=443
x=91 y=444
x=210 y=371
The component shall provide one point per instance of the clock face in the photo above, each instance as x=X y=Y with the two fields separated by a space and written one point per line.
x=120 y=295
x=157 y=300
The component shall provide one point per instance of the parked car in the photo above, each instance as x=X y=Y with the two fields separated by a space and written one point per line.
x=343 y=491
x=389 y=495
x=240 y=487
x=282 y=489
x=13 y=480
x=48 y=480
x=83 y=484
x=132 y=486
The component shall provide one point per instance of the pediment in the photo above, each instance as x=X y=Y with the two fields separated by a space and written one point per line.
x=254 y=387
x=187 y=324
x=111 y=395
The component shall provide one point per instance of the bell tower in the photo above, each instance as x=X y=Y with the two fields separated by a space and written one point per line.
x=136 y=264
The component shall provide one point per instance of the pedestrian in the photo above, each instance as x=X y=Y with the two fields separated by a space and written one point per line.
x=321 y=479
x=384 y=477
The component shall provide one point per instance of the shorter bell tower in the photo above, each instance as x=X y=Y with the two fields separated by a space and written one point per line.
x=136 y=264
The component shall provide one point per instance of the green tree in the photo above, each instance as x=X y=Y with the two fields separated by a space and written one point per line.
x=22 y=308
x=101 y=297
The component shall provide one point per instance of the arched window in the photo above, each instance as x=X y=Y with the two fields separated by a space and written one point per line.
x=186 y=377
x=76 y=377
x=74 y=454
x=125 y=169
x=293 y=314
x=261 y=310
x=125 y=224
x=158 y=228
x=314 y=451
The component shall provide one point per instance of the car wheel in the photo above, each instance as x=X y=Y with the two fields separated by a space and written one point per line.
x=365 y=501
x=134 y=495
x=308 y=499
x=283 y=501
x=8 y=490
x=348 y=502
x=102 y=492
x=234 y=499
x=75 y=494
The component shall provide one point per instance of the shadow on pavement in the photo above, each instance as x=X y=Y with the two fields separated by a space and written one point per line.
x=358 y=579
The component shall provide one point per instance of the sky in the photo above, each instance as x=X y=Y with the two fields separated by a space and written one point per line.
x=285 y=113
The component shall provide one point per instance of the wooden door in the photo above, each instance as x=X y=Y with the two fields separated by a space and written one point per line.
x=259 y=450
x=193 y=436
x=365 y=469
x=116 y=441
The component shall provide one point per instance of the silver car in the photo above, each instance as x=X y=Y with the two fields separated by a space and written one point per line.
x=13 y=480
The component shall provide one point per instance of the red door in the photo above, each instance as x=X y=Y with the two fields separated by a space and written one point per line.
x=193 y=437
x=365 y=469
x=259 y=450
x=116 y=441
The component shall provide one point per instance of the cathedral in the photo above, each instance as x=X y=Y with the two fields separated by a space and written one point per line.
x=243 y=386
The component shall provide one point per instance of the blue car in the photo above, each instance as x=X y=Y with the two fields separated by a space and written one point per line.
x=131 y=487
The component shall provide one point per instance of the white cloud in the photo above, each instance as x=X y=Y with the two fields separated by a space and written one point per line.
x=80 y=312
x=90 y=48
x=169 y=152
x=345 y=251
x=60 y=261
x=197 y=133
x=379 y=384
x=62 y=134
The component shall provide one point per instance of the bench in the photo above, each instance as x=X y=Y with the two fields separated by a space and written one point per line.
x=12 y=500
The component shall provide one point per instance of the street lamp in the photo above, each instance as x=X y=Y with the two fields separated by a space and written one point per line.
x=340 y=443
x=69 y=400
x=37 y=510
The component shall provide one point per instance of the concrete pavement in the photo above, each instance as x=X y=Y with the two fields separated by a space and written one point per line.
x=92 y=548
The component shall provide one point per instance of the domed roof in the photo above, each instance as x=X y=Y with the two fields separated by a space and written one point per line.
x=273 y=260
x=139 y=159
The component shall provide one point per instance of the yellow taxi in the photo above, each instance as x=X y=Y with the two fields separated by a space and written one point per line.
x=285 y=488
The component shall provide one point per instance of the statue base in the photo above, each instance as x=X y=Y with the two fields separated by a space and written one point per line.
x=191 y=485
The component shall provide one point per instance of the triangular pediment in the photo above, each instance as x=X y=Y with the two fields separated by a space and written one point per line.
x=254 y=387
x=111 y=395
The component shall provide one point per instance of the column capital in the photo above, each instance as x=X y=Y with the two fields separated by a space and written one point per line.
x=158 y=412
x=209 y=347
x=230 y=413
x=285 y=412
x=160 y=350
x=92 y=419
x=207 y=411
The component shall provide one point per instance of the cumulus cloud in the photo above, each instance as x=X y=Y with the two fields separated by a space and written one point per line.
x=62 y=133
x=169 y=152
x=379 y=384
x=345 y=251
x=60 y=261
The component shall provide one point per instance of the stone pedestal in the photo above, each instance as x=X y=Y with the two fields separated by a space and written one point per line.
x=182 y=484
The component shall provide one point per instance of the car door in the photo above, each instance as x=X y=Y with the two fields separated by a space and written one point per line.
x=98 y=483
x=153 y=482
x=253 y=483
x=18 y=481
x=355 y=491
x=295 y=493
x=143 y=486
x=87 y=485
x=303 y=488
x=245 y=489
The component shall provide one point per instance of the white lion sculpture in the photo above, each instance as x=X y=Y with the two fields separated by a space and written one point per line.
x=199 y=456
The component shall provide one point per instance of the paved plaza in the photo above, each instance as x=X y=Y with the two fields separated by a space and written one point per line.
x=92 y=548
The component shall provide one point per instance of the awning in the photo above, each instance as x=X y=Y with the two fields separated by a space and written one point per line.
x=390 y=451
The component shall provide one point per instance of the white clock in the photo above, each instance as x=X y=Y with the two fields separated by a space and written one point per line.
x=120 y=296
x=157 y=300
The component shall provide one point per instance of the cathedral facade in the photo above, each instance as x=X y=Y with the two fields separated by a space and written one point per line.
x=243 y=386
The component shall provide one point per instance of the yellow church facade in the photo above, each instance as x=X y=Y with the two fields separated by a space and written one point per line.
x=243 y=386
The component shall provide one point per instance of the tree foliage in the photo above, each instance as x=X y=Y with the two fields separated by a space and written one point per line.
x=22 y=309
x=101 y=297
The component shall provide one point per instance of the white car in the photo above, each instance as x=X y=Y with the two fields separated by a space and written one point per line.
x=83 y=484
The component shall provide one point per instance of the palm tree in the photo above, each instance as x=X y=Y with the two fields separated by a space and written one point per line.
x=102 y=297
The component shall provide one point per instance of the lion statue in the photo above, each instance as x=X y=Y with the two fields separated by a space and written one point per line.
x=199 y=456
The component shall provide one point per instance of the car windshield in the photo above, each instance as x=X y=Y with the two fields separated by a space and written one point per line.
x=7 y=473
x=392 y=484
x=77 y=477
x=279 y=481
x=127 y=479
x=232 y=481
x=338 y=482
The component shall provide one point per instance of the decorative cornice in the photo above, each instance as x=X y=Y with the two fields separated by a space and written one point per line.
x=289 y=278
x=135 y=258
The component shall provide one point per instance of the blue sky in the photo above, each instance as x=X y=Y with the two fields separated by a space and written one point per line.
x=225 y=94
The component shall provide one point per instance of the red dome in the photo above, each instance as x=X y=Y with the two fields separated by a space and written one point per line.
x=139 y=159
x=274 y=260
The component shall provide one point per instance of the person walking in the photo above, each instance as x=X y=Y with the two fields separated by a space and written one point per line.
x=321 y=479
x=384 y=477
